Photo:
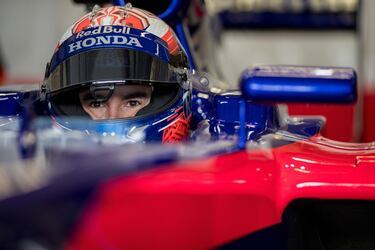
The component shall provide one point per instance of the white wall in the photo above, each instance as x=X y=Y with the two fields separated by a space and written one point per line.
x=368 y=44
x=241 y=49
x=29 y=31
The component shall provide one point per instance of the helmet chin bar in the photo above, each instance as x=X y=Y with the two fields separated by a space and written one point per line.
x=102 y=91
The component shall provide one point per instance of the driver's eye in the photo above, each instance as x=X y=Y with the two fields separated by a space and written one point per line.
x=96 y=104
x=133 y=103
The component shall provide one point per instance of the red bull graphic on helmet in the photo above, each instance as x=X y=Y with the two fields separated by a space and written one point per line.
x=111 y=37
x=104 y=30
x=128 y=17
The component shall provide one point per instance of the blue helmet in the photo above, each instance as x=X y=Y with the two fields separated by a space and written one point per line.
x=124 y=68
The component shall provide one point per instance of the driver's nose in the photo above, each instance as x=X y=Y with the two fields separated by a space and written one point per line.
x=114 y=109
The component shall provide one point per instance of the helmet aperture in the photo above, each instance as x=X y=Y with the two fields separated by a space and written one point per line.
x=107 y=101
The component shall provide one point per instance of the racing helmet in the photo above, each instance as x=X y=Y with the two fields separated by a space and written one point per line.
x=121 y=53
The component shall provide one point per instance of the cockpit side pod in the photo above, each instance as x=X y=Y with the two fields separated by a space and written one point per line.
x=225 y=121
x=18 y=98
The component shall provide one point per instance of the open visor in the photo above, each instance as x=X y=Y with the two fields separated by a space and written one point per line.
x=112 y=64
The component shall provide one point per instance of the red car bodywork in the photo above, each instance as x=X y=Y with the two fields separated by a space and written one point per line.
x=206 y=203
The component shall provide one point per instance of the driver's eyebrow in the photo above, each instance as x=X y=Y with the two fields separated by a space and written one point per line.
x=138 y=94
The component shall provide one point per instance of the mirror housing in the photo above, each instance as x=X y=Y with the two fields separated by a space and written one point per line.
x=276 y=83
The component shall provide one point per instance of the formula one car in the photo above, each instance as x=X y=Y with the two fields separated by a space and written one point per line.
x=248 y=177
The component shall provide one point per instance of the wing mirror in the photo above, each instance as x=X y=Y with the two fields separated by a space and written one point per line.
x=275 y=83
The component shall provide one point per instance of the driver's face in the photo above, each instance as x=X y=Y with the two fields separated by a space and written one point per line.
x=125 y=102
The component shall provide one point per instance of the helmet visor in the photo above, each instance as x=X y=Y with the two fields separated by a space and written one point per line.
x=111 y=64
